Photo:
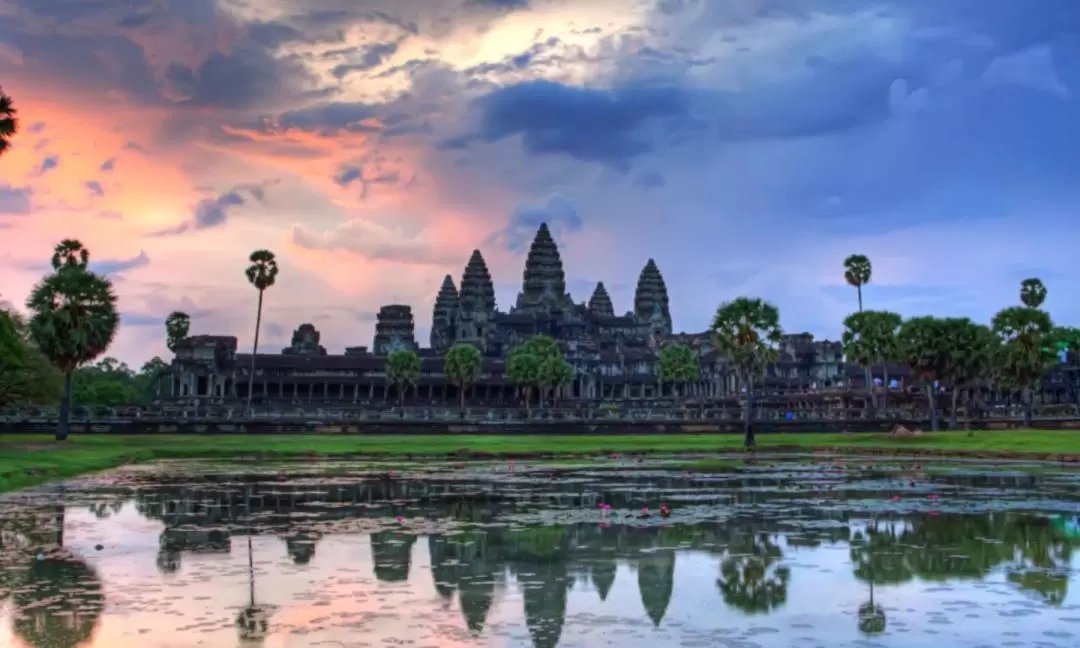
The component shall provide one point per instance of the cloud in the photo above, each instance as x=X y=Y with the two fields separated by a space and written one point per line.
x=213 y=212
x=375 y=242
x=15 y=200
x=559 y=213
x=94 y=187
x=118 y=266
x=48 y=164
x=108 y=165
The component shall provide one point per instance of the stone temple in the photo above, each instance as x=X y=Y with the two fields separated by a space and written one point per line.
x=612 y=355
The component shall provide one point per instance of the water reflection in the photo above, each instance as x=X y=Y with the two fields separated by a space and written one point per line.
x=772 y=555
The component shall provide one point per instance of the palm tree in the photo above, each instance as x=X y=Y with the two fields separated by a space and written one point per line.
x=857 y=272
x=1032 y=293
x=177 y=325
x=261 y=273
x=9 y=124
x=74 y=317
x=1024 y=356
x=870 y=338
x=523 y=369
x=748 y=333
x=923 y=344
x=462 y=365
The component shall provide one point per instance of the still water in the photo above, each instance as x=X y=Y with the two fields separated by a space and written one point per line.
x=775 y=553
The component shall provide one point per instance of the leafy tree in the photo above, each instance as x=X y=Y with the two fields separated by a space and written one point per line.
x=555 y=372
x=1025 y=355
x=262 y=272
x=752 y=578
x=59 y=603
x=1067 y=338
x=677 y=364
x=9 y=123
x=463 y=363
x=26 y=376
x=1032 y=293
x=857 y=273
x=923 y=344
x=523 y=369
x=870 y=338
x=973 y=348
x=177 y=325
x=74 y=317
x=402 y=370
x=748 y=333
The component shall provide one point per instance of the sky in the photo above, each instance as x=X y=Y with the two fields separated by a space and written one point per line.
x=747 y=146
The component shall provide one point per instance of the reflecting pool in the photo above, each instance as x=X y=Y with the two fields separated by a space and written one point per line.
x=777 y=552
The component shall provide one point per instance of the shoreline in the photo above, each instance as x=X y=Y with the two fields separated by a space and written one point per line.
x=31 y=460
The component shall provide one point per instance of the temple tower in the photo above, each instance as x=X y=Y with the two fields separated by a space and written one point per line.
x=475 y=317
x=651 y=300
x=394 y=330
x=543 y=282
x=600 y=302
x=442 y=320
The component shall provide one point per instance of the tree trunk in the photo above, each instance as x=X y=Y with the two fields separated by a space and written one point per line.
x=885 y=393
x=1029 y=402
x=932 y=401
x=461 y=395
x=65 y=410
x=748 y=428
x=254 y=351
x=858 y=289
x=952 y=412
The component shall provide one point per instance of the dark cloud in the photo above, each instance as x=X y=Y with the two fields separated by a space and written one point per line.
x=242 y=78
x=590 y=125
x=117 y=266
x=15 y=200
x=137 y=320
x=213 y=212
x=108 y=165
x=273 y=35
x=94 y=187
x=329 y=117
x=560 y=214
x=368 y=58
x=36 y=127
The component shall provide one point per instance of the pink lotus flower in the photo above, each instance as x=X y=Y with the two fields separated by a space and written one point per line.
x=400 y=519
x=896 y=498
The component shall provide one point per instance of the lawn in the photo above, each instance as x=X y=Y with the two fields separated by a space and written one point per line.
x=26 y=460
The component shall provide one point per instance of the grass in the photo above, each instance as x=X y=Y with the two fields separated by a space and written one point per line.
x=26 y=460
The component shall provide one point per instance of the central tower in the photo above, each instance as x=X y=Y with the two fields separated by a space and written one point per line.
x=543 y=286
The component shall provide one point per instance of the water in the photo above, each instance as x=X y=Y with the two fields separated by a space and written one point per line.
x=778 y=553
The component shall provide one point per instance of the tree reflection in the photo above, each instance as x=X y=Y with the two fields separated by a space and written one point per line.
x=253 y=622
x=391 y=553
x=751 y=577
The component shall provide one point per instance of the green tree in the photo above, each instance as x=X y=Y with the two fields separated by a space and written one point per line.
x=973 y=347
x=676 y=364
x=539 y=364
x=923 y=344
x=1025 y=354
x=555 y=372
x=870 y=338
x=177 y=325
x=106 y=383
x=1067 y=339
x=523 y=370
x=9 y=123
x=74 y=317
x=26 y=376
x=463 y=363
x=262 y=272
x=59 y=603
x=402 y=370
x=748 y=333
x=1032 y=293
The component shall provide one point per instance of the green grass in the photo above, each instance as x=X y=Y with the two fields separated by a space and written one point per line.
x=26 y=460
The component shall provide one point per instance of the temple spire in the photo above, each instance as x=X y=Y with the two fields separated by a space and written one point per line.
x=477 y=290
x=651 y=297
x=600 y=302
x=543 y=282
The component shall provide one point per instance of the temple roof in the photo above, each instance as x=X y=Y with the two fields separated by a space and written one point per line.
x=651 y=293
x=477 y=289
x=543 y=270
x=600 y=302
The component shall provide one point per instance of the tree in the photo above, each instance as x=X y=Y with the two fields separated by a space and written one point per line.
x=26 y=376
x=261 y=272
x=402 y=370
x=677 y=364
x=1032 y=293
x=177 y=325
x=748 y=333
x=923 y=344
x=1025 y=354
x=9 y=123
x=462 y=366
x=857 y=273
x=74 y=317
x=870 y=338
x=973 y=348
x=523 y=369
x=555 y=372
x=1067 y=339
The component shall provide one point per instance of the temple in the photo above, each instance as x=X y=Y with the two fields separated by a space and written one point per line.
x=612 y=355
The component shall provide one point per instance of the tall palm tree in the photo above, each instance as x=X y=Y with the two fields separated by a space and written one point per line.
x=857 y=272
x=748 y=333
x=9 y=124
x=177 y=326
x=262 y=273
x=1032 y=293
x=74 y=317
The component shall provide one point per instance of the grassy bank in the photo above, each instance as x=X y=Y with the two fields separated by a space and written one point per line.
x=28 y=460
